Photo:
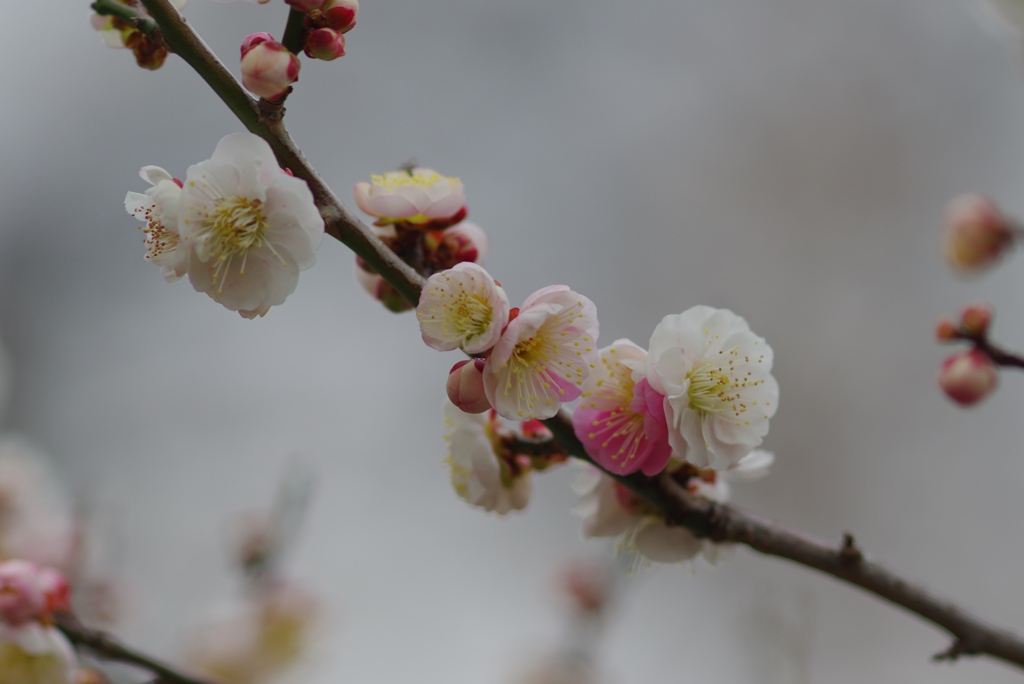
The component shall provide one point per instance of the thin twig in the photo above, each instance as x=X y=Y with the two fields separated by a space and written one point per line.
x=721 y=523
x=106 y=647
x=999 y=356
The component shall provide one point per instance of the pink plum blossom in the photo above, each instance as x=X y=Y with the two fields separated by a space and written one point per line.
x=968 y=376
x=416 y=196
x=462 y=307
x=716 y=377
x=621 y=420
x=22 y=592
x=544 y=355
x=268 y=69
x=466 y=386
x=478 y=476
x=158 y=209
x=252 y=226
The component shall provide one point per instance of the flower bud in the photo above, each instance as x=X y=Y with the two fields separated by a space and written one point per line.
x=325 y=44
x=305 y=5
x=22 y=597
x=56 y=590
x=254 y=39
x=976 y=319
x=466 y=386
x=977 y=233
x=268 y=68
x=381 y=290
x=341 y=14
x=967 y=377
x=946 y=329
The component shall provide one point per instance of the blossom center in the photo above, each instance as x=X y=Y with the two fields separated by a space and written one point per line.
x=711 y=389
x=469 y=315
x=158 y=239
x=236 y=226
x=393 y=180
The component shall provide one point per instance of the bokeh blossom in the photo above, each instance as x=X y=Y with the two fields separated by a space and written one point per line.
x=462 y=307
x=544 y=355
x=32 y=651
x=479 y=477
x=621 y=419
x=977 y=232
x=158 y=209
x=417 y=196
x=716 y=377
x=34 y=521
x=968 y=376
x=252 y=226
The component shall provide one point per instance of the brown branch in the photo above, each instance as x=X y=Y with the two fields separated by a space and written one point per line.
x=999 y=356
x=106 y=647
x=721 y=523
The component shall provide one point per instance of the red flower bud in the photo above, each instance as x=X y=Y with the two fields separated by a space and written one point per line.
x=967 y=377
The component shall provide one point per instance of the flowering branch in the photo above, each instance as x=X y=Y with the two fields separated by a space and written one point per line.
x=110 y=649
x=718 y=522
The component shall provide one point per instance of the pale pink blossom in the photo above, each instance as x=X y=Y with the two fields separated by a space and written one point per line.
x=977 y=233
x=968 y=376
x=543 y=356
x=462 y=307
x=621 y=419
x=417 y=196
x=22 y=592
x=478 y=476
x=268 y=69
x=35 y=654
x=716 y=377
x=158 y=209
x=252 y=226
x=466 y=386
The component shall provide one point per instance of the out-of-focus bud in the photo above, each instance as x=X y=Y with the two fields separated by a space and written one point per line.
x=976 y=319
x=586 y=583
x=56 y=590
x=87 y=675
x=341 y=14
x=946 y=329
x=254 y=39
x=268 y=69
x=967 y=377
x=977 y=233
x=305 y=5
x=381 y=290
x=466 y=386
x=22 y=597
x=325 y=44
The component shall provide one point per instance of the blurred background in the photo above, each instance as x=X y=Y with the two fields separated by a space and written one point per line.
x=787 y=159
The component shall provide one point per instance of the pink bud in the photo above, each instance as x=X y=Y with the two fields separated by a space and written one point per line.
x=977 y=233
x=341 y=14
x=325 y=44
x=254 y=39
x=445 y=248
x=56 y=590
x=946 y=329
x=305 y=5
x=968 y=376
x=268 y=68
x=976 y=319
x=466 y=386
x=22 y=597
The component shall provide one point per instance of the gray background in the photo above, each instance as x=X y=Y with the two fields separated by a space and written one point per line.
x=788 y=159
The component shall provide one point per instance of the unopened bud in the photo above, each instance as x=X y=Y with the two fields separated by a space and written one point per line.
x=268 y=69
x=976 y=319
x=21 y=594
x=977 y=233
x=967 y=377
x=341 y=14
x=464 y=242
x=466 y=386
x=254 y=39
x=325 y=44
x=381 y=290
x=305 y=5
x=946 y=329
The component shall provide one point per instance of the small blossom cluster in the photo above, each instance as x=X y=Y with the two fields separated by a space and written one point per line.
x=968 y=376
x=420 y=215
x=610 y=509
x=240 y=226
x=32 y=651
x=150 y=53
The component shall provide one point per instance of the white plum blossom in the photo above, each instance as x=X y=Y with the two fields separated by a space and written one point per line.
x=35 y=654
x=544 y=355
x=252 y=226
x=462 y=307
x=477 y=475
x=416 y=196
x=609 y=509
x=716 y=377
x=158 y=209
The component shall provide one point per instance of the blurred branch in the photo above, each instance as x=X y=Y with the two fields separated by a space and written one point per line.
x=999 y=356
x=717 y=522
x=114 y=8
x=107 y=648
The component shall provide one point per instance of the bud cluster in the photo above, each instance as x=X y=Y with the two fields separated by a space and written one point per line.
x=325 y=24
x=968 y=376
